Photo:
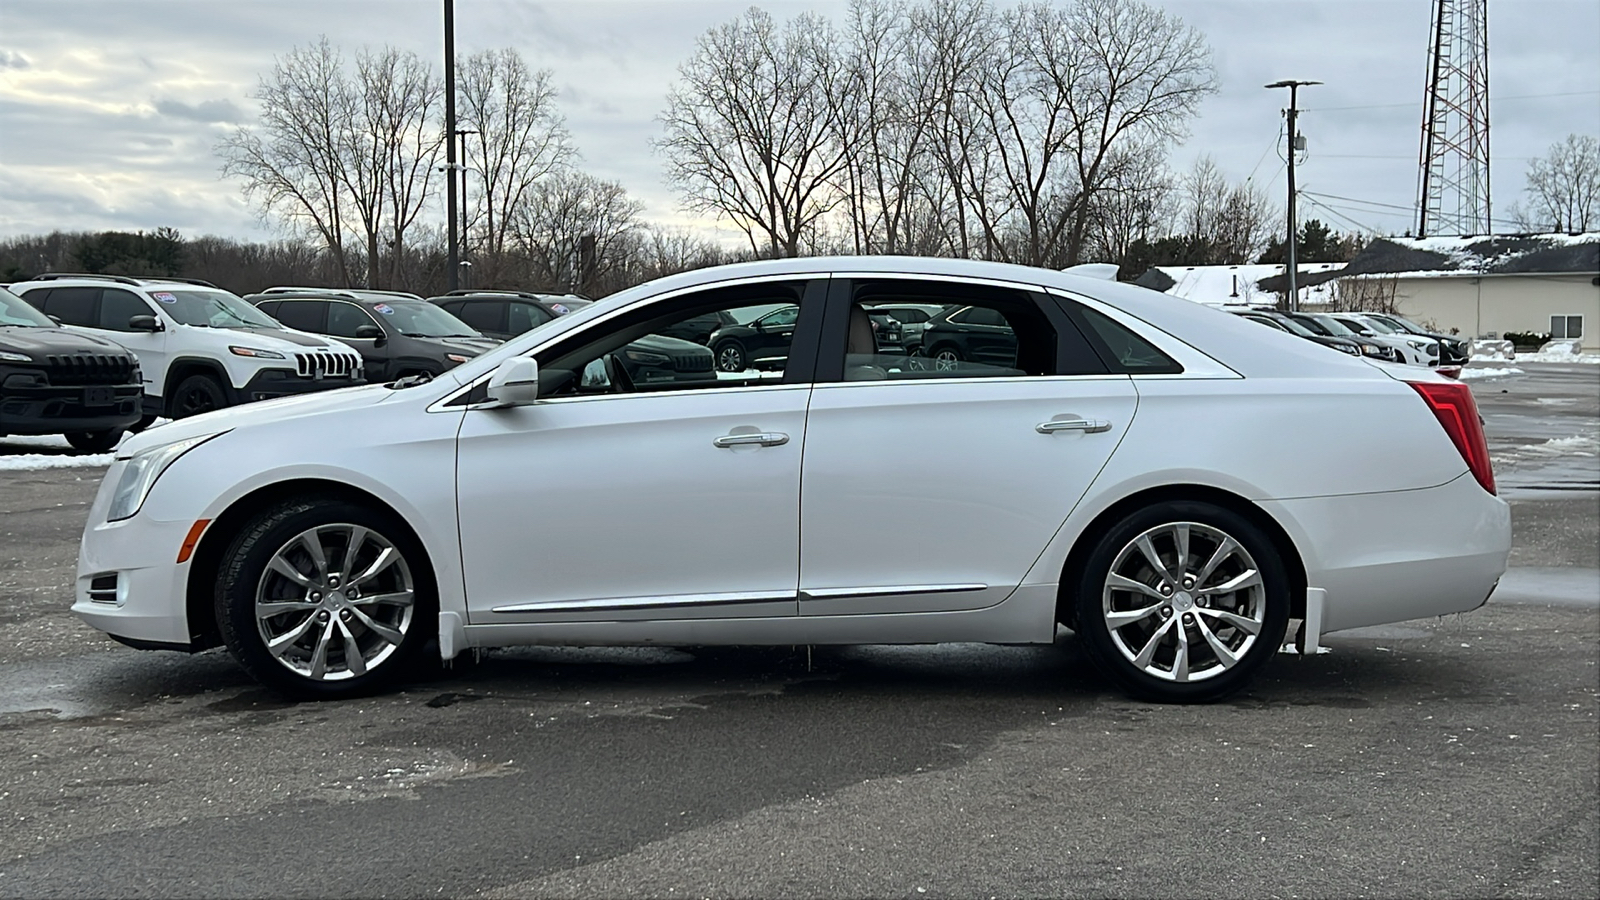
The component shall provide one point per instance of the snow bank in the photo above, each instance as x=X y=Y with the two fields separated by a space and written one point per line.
x=1493 y=350
x=1560 y=351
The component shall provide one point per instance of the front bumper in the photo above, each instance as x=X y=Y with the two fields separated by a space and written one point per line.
x=60 y=409
x=269 y=384
x=129 y=582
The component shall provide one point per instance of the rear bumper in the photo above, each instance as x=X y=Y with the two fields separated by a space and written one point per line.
x=1400 y=555
x=57 y=410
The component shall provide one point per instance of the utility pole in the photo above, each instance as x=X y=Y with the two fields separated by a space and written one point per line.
x=451 y=273
x=1291 y=268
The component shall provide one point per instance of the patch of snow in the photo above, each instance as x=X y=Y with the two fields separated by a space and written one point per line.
x=1489 y=349
x=1575 y=445
x=1560 y=351
x=30 y=461
x=1469 y=374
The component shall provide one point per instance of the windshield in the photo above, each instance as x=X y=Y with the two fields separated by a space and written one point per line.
x=1408 y=325
x=1295 y=327
x=15 y=311
x=1380 y=326
x=1333 y=325
x=1312 y=324
x=414 y=319
x=212 y=309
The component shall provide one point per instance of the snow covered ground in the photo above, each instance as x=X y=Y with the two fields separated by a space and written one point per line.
x=50 y=451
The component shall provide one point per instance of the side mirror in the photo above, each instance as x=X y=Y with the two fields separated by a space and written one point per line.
x=145 y=323
x=369 y=331
x=514 y=383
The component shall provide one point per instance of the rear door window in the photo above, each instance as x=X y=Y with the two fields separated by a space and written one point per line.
x=303 y=315
x=489 y=315
x=117 y=307
x=74 y=305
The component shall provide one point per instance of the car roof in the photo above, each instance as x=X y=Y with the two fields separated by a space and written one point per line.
x=144 y=281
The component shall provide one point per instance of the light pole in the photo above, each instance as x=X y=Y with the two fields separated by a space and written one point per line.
x=464 y=266
x=450 y=145
x=1291 y=269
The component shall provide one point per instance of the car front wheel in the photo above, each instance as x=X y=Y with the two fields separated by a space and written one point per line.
x=730 y=356
x=325 y=598
x=1182 y=602
x=94 y=441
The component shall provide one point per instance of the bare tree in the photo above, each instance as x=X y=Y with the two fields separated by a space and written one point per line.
x=1142 y=75
x=1563 y=190
x=397 y=132
x=291 y=164
x=748 y=131
x=1135 y=200
x=521 y=138
x=575 y=230
x=1232 y=222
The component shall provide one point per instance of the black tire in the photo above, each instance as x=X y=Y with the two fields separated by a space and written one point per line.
x=94 y=441
x=730 y=356
x=145 y=421
x=244 y=573
x=195 y=395
x=1268 y=609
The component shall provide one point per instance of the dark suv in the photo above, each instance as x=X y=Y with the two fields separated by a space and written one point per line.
x=761 y=343
x=651 y=358
x=55 y=381
x=959 y=334
x=397 y=335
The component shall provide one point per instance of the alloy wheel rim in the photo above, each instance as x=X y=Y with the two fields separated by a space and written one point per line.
x=946 y=360
x=1184 y=602
x=731 y=359
x=334 y=602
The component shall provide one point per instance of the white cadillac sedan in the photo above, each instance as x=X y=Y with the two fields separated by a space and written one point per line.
x=1172 y=483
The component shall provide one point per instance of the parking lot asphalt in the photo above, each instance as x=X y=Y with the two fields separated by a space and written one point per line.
x=1454 y=757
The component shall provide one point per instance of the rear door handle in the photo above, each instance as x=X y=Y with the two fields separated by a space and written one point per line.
x=1088 y=426
x=763 y=439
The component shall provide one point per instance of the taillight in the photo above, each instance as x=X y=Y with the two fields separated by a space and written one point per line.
x=1455 y=409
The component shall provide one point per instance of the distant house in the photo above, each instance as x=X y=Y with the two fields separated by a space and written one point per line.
x=1241 y=285
x=1487 y=286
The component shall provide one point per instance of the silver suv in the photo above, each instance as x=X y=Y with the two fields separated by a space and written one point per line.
x=200 y=348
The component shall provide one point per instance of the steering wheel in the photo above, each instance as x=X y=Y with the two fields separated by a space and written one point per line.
x=618 y=375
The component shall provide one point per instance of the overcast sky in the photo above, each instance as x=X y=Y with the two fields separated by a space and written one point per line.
x=109 y=110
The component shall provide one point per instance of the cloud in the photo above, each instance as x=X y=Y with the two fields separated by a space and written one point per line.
x=207 y=111
x=11 y=59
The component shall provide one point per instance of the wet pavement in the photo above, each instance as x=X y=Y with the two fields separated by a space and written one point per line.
x=1455 y=757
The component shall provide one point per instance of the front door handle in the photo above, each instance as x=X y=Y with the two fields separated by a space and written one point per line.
x=762 y=438
x=1087 y=426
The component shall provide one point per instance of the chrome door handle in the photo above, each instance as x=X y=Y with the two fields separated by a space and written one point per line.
x=764 y=439
x=1087 y=426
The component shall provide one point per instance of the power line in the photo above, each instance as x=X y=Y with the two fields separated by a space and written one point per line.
x=1330 y=211
x=1413 y=105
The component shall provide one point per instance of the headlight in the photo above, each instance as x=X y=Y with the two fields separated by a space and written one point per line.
x=456 y=357
x=141 y=472
x=14 y=357
x=646 y=359
x=1420 y=345
x=254 y=353
x=1346 y=348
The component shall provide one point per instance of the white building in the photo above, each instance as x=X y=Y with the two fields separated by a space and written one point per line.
x=1487 y=286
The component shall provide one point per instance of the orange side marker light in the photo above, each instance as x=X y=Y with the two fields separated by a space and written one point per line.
x=195 y=530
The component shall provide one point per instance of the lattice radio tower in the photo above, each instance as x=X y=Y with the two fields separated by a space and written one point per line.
x=1453 y=187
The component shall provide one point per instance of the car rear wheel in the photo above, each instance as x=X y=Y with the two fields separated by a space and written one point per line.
x=323 y=599
x=1182 y=602
x=94 y=441
x=945 y=358
x=195 y=395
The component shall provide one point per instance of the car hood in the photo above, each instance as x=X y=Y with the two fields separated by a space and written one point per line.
x=245 y=415
x=472 y=345
x=40 y=341
x=293 y=339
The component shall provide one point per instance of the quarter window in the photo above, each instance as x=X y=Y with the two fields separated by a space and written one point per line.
x=1126 y=351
